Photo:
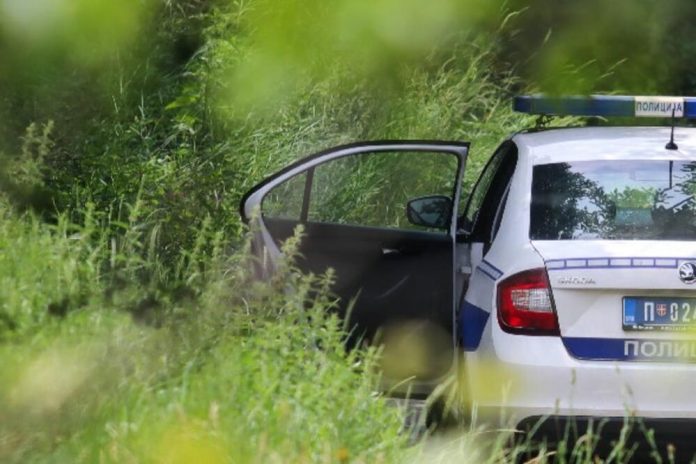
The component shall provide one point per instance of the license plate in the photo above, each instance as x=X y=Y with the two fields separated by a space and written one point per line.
x=671 y=314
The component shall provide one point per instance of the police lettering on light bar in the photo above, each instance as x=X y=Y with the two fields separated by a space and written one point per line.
x=659 y=107
x=607 y=106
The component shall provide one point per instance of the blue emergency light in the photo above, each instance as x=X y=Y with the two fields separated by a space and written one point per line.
x=607 y=106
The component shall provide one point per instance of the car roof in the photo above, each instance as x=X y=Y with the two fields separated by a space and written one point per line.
x=598 y=143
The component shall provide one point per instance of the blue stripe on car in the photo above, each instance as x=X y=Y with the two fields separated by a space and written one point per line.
x=627 y=349
x=608 y=349
x=472 y=321
x=615 y=263
x=495 y=270
x=486 y=273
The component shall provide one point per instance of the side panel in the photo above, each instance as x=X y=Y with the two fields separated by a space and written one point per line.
x=394 y=279
x=590 y=281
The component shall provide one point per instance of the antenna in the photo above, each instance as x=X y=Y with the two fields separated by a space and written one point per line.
x=671 y=145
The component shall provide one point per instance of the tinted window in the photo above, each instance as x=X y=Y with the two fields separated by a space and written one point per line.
x=486 y=203
x=642 y=200
x=475 y=201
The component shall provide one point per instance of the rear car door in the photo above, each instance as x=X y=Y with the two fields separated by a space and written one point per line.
x=478 y=228
x=393 y=256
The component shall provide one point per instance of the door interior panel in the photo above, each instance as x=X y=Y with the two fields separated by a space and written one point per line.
x=393 y=274
x=374 y=266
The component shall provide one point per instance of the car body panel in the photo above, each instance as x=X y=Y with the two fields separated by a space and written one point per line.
x=590 y=279
x=585 y=371
x=605 y=143
x=594 y=367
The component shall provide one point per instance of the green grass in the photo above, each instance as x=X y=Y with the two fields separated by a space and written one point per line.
x=235 y=371
x=243 y=374
x=130 y=327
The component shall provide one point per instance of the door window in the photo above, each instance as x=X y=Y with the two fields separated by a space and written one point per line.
x=285 y=200
x=486 y=206
x=367 y=189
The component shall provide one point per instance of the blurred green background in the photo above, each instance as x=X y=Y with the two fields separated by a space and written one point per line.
x=130 y=129
x=205 y=97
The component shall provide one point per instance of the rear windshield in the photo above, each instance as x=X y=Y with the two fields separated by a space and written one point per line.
x=620 y=200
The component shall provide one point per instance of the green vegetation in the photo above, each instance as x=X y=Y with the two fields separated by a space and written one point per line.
x=130 y=329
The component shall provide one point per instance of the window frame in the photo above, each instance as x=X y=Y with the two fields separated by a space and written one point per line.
x=309 y=195
x=503 y=163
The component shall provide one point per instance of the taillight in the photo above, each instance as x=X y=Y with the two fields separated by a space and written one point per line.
x=525 y=304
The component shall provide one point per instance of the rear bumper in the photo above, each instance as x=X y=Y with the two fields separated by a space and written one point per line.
x=668 y=437
x=513 y=377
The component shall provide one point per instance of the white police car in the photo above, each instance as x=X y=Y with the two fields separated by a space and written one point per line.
x=570 y=270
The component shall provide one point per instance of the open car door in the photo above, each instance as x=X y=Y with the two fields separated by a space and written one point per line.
x=383 y=216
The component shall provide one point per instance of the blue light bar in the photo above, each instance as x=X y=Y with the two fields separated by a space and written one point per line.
x=607 y=105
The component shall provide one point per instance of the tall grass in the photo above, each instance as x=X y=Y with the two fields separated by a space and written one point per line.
x=233 y=370
x=130 y=330
x=243 y=373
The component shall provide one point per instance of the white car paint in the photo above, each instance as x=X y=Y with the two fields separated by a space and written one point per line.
x=590 y=365
x=550 y=375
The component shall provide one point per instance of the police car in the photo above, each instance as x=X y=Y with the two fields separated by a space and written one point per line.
x=569 y=270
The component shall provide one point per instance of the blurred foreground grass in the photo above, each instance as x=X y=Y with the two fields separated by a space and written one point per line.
x=129 y=328
x=232 y=370
x=218 y=380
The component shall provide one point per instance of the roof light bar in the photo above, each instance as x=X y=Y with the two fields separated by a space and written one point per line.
x=607 y=105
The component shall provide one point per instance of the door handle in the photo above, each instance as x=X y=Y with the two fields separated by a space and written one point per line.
x=390 y=251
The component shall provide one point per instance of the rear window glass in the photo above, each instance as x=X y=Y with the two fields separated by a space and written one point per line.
x=620 y=200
